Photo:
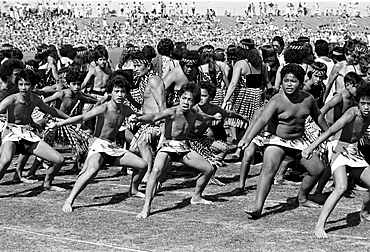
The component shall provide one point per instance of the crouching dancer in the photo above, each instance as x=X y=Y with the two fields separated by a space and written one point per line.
x=343 y=154
x=18 y=137
x=285 y=115
x=104 y=148
x=178 y=122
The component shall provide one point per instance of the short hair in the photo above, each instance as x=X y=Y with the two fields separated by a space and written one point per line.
x=17 y=53
x=7 y=68
x=29 y=75
x=247 y=43
x=118 y=81
x=294 y=69
x=322 y=47
x=209 y=86
x=220 y=54
x=165 y=47
x=280 y=40
x=353 y=79
x=74 y=76
x=192 y=88
x=363 y=89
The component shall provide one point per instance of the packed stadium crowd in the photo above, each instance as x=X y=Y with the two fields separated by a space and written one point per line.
x=300 y=97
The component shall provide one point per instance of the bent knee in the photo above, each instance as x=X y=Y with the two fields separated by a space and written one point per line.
x=59 y=160
x=340 y=189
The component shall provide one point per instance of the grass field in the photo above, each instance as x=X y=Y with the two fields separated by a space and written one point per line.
x=104 y=217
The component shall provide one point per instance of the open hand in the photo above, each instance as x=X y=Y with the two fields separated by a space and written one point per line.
x=307 y=153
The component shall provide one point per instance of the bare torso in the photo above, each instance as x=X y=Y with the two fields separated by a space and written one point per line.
x=178 y=125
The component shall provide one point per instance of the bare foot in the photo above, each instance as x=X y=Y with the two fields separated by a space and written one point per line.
x=143 y=214
x=278 y=181
x=67 y=207
x=200 y=200
x=53 y=188
x=28 y=181
x=254 y=214
x=320 y=233
x=309 y=204
x=137 y=195
x=364 y=216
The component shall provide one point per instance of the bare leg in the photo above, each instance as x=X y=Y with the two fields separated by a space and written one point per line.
x=245 y=167
x=36 y=164
x=272 y=158
x=93 y=164
x=322 y=182
x=160 y=164
x=45 y=151
x=279 y=178
x=147 y=155
x=314 y=168
x=21 y=163
x=139 y=165
x=196 y=161
x=364 y=176
x=7 y=153
x=340 y=177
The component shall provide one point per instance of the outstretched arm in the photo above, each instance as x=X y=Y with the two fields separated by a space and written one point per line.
x=5 y=103
x=86 y=116
x=317 y=116
x=332 y=77
x=87 y=78
x=347 y=117
x=50 y=110
x=152 y=118
x=55 y=96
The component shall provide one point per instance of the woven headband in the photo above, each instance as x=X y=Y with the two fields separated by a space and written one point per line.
x=208 y=50
x=296 y=47
x=141 y=61
x=318 y=72
x=337 y=53
x=6 y=48
x=189 y=62
x=361 y=49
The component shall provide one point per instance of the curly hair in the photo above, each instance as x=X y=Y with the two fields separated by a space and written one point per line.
x=165 y=47
x=353 y=79
x=100 y=52
x=294 y=69
x=211 y=89
x=220 y=54
x=192 y=88
x=362 y=90
x=28 y=75
x=118 y=81
x=7 y=68
x=74 y=76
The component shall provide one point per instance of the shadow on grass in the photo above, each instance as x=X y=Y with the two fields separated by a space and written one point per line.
x=352 y=220
x=35 y=191
x=180 y=205
x=115 y=199
x=289 y=205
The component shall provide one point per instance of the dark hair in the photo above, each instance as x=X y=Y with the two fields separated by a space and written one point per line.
x=220 y=55
x=7 y=68
x=296 y=52
x=363 y=89
x=149 y=52
x=322 y=47
x=181 y=45
x=349 y=46
x=192 y=88
x=99 y=52
x=337 y=54
x=353 y=79
x=17 y=53
x=294 y=69
x=29 y=75
x=190 y=55
x=231 y=53
x=247 y=43
x=165 y=47
x=74 y=76
x=32 y=64
x=210 y=87
x=118 y=81
x=280 y=40
x=254 y=57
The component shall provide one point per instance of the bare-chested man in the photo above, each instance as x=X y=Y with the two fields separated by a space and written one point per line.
x=187 y=71
x=104 y=148
x=18 y=137
x=285 y=116
x=344 y=156
x=178 y=121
